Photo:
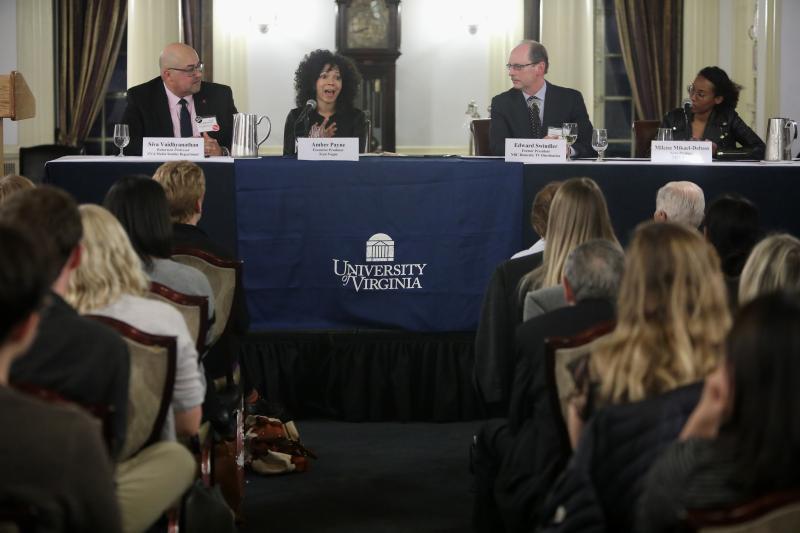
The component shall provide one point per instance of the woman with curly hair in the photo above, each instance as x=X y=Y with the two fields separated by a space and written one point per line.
x=331 y=80
x=713 y=115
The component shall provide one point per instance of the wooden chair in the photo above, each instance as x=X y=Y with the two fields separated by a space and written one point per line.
x=152 y=379
x=562 y=354
x=479 y=128
x=194 y=310
x=644 y=131
x=771 y=513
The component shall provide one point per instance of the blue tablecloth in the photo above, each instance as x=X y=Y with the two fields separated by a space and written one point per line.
x=436 y=229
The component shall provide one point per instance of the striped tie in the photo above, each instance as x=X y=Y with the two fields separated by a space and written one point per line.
x=536 y=122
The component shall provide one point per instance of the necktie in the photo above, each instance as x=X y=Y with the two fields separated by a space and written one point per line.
x=536 y=122
x=185 y=119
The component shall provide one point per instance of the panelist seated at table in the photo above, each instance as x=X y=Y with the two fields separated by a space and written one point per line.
x=169 y=105
x=712 y=116
x=331 y=81
x=533 y=105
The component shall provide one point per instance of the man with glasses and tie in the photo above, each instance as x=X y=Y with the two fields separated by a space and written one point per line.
x=533 y=105
x=171 y=104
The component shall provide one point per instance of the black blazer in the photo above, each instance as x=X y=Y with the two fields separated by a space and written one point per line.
x=147 y=112
x=725 y=128
x=349 y=123
x=510 y=118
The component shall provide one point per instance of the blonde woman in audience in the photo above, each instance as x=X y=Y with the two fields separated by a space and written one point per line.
x=578 y=214
x=12 y=183
x=773 y=264
x=110 y=281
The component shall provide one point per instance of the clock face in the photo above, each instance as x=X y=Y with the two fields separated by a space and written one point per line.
x=367 y=24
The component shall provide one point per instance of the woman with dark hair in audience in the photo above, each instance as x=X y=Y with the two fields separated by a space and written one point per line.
x=732 y=226
x=713 y=116
x=774 y=264
x=140 y=204
x=331 y=81
x=743 y=439
x=644 y=378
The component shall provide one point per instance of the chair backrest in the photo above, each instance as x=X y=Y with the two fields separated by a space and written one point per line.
x=479 y=128
x=17 y=516
x=771 y=513
x=224 y=275
x=194 y=310
x=644 y=131
x=562 y=355
x=152 y=379
x=33 y=158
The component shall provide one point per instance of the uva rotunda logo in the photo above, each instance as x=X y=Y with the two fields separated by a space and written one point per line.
x=380 y=248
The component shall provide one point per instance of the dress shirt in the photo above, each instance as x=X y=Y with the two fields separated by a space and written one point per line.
x=175 y=112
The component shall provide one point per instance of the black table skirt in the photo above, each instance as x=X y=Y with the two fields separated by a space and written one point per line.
x=366 y=376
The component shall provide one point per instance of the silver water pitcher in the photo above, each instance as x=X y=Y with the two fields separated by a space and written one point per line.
x=780 y=134
x=245 y=134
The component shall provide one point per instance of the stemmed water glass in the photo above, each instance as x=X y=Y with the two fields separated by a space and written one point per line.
x=122 y=137
x=599 y=141
x=569 y=130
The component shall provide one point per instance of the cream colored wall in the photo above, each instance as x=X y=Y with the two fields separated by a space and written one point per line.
x=151 y=25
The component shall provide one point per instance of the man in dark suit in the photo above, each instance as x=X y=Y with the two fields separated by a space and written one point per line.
x=533 y=105
x=169 y=105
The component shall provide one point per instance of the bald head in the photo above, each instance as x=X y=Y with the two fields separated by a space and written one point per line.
x=173 y=63
x=682 y=202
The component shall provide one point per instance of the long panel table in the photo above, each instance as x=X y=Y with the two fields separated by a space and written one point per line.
x=346 y=319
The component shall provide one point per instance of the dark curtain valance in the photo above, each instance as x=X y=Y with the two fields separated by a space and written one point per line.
x=89 y=36
x=651 y=35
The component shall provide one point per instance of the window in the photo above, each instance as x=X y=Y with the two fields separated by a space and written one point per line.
x=613 y=107
x=101 y=136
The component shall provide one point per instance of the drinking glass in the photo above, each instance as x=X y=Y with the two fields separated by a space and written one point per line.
x=664 y=134
x=599 y=141
x=569 y=130
x=122 y=137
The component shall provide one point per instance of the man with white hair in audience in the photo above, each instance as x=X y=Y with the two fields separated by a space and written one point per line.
x=682 y=202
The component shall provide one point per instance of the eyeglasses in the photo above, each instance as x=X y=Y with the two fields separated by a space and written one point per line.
x=190 y=70
x=699 y=94
x=517 y=66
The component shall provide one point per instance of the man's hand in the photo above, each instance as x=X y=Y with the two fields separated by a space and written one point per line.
x=212 y=147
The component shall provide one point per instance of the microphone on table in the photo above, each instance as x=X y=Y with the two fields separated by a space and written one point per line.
x=687 y=110
x=310 y=106
x=301 y=125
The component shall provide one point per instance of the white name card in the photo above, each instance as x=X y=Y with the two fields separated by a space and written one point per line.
x=173 y=147
x=327 y=148
x=536 y=150
x=680 y=152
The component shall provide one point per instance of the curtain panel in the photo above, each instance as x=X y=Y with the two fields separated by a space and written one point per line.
x=89 y=36
x=197 y=25
x=650 y=35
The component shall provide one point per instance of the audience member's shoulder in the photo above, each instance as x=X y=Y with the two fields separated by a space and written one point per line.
x=522 y=264
x=59 y=419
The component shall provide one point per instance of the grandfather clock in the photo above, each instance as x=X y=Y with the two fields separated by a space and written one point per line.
x=368 y=31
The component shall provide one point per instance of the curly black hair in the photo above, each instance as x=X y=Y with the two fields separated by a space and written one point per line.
x=723 y=86
x=307 y=73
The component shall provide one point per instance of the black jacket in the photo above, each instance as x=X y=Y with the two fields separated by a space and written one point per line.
x=601 y=485
x=349 y=123
x=725 y=128
x=511 y=120
x=147 y=112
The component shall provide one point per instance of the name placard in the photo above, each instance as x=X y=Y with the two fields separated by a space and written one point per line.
x=327 y=149
x=680 y=152
x=536 y=150
x=173 y=147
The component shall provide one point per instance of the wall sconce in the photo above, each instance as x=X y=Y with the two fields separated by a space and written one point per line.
x=264 y=24
x=472 y=29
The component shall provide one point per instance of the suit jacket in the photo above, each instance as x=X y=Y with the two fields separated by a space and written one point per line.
x=511 y=120
x=725 y=128
x=543 y=301
x=147 y=112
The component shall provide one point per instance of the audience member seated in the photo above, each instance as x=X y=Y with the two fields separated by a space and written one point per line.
x=672 y=319
x=743 y=439
x=578 y=213
x=682 y=202
x=11 y=184
x=80 y=359
x=526 y=453
x=773 y=264
x=540 y=210
x=732 y=225
x=51 y=457
x=110 y=281
x=140 y=205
